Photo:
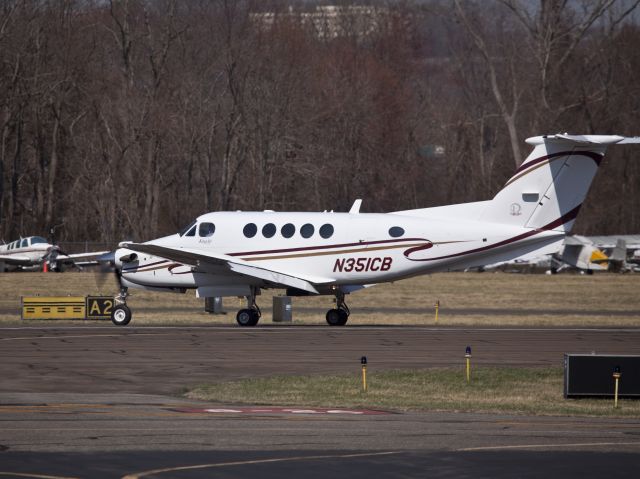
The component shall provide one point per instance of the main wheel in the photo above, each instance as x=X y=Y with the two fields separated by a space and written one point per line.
x=247 y=317
x=337 y=317
x=121 y=315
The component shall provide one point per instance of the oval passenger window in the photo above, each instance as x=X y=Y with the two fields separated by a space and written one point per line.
x=250 y=230
x=288 y=230
x=326 y=231
x=268 y=230
x=396 y=231
x=307 y=230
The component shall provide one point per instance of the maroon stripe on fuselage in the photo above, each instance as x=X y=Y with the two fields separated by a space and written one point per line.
x=560 y=221
x=309 y=248
x=142 y=267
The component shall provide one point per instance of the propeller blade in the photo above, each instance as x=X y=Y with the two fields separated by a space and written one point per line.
x=107 y=265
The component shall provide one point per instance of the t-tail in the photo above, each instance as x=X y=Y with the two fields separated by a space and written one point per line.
x=547 y=190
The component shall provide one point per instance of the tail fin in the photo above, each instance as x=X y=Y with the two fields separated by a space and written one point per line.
x=618 y=256
x=548 y=189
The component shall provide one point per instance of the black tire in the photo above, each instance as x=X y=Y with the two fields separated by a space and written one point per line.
x=337 y=317
x=121 y=315
x=247 y=317
x=344 y=317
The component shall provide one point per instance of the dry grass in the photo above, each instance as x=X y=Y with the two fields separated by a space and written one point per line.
x=495 y=390
x=478 y=299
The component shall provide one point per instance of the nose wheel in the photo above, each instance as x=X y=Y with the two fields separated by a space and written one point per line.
x=121 y=314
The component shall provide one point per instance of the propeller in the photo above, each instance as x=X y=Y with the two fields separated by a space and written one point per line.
x=110 y=264
x=106 y=266
x=52 y=255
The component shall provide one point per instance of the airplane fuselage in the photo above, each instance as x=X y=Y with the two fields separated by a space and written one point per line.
x=336 y=249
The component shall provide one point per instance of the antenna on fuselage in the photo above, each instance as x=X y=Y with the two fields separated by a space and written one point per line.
x=355 y=208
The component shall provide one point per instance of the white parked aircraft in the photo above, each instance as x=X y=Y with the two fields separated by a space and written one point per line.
x=239 y=253
x=33 y=252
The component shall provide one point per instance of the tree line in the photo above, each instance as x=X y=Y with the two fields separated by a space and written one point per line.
x=126 y=119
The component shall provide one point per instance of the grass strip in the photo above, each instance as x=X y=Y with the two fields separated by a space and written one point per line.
x=530 y=391
x=466 y=299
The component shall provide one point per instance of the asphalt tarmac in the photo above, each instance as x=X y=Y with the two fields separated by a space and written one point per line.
x=105 y=402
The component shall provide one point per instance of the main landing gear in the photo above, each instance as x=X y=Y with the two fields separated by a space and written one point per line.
x=121 y=314
x=251 y=314
x=338 y=316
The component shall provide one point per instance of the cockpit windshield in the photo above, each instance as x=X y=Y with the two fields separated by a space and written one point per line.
x=38 y=239
x=187 y=228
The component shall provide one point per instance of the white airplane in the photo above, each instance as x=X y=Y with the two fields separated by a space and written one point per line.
x=240 y=253
x=33 y=252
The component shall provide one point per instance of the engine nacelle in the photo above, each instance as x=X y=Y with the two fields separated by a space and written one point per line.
x=128 y=258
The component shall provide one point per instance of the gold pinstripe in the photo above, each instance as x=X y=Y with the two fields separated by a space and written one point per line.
x=332 y=252
x=526 y=172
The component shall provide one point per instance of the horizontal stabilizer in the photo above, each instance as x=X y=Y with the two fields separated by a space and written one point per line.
x=583 y=139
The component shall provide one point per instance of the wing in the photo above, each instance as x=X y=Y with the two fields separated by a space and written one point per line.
x=16 y=260
x=85 y=255
x=82 y=259
x=200 y=259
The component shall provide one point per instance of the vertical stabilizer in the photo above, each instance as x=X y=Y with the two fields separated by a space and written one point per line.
x=547 y=190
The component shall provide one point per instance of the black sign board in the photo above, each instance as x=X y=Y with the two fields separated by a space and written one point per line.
x=99 y=307
x=591 y=375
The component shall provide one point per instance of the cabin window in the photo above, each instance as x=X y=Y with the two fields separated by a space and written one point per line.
x=25 y=243
x=307 y=230
x=288 y=230
x=206 y=229
x=250 y=230
x=396 y=232
x=326 y=231
x=269 y=230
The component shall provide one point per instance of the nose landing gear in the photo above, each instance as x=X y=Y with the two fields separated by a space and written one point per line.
x=121 y=314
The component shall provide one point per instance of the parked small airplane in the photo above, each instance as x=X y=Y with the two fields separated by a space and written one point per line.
x=584 y=253
x=240 y=253
x=33 y=252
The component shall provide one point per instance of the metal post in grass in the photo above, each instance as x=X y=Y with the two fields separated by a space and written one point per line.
x=437 y=306
x=467 y=355
x=616 y=378
x=363 y=361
